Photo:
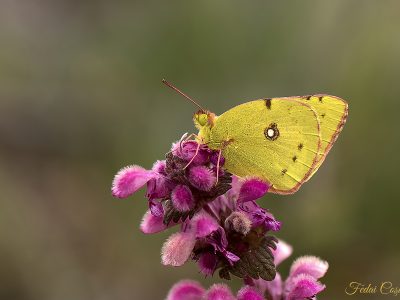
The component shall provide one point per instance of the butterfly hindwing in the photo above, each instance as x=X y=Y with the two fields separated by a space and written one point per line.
x=275 y=139
x=332 y=112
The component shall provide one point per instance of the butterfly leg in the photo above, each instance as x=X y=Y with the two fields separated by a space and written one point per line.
x=194 y=156
x=218 y=163
x=182 y=139
x=224 y=145
x=185 y=138
x=188 y=137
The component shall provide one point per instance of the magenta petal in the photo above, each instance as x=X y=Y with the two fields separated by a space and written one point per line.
x=182 y=198
x=186 y=290
x=231 y=257
x=214 y=159
x=249 y=293
x=207 y=263
x=218 y=240
x=156 y=208
x=159 y=167
x=236 y=184
x=252 y=189
x=202 y=178
x=158 y=187
x=177 y=249
x=272 y=224
x=260 y=216
x=153 y=224
x=282 y=252
x=233 y=193
x=219 y=292
x=129 y=179
x=204 y=224
x=222 y=205
x=310 y=265
x=272 y=288
x=303 y=286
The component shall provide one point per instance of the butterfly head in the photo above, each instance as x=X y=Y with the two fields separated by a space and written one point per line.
x=204 y=121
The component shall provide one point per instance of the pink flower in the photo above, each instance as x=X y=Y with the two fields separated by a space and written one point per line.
x=301 y=284
x=177 y=187
x=226 y=231
x=221 y=226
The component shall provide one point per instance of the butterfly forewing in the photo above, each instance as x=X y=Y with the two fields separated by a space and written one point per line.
x=274 y=139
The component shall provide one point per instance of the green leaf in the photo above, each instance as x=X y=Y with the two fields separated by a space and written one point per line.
x=256 y=262
x=171 y=214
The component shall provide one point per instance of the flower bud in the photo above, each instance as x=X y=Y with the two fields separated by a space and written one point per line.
x=310 y=265
x=177 y=249
x=219 y=292
x=239 y=222
x=249 y=293
x=303 y=286
x=186 y=289
x=202 y=178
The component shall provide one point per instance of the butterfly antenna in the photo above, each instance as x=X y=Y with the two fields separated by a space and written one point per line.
x=182 y=93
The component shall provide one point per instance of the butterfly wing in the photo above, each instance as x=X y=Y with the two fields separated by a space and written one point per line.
x=332 y=113
x=277 y=140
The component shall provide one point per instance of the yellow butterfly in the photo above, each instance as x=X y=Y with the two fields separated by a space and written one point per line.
x=280 y=140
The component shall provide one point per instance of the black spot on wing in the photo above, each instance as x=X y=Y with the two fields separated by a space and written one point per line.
x=271 y=132
x=284 y=171
x=294 y=158
x=268 y=103
x=300 y=146
x=320 y=99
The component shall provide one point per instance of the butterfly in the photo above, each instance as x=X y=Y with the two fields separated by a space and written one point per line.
x=280 y=140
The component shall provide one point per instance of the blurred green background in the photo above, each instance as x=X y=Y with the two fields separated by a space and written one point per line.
x=81 y=96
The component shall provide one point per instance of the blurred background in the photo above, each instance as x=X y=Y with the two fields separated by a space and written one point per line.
x=81 y=97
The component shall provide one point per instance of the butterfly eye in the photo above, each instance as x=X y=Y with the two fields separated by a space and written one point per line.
x=271 y=132
x=202 y=119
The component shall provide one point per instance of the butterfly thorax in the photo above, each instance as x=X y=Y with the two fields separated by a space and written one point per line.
x=204 y=122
